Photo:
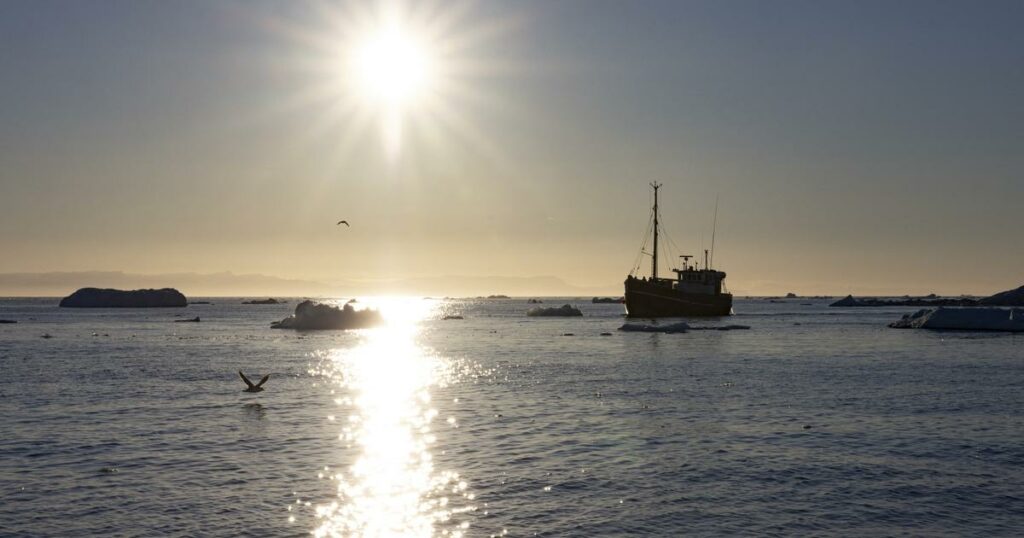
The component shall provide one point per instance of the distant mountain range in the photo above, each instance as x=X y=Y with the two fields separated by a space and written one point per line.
x=60 y=284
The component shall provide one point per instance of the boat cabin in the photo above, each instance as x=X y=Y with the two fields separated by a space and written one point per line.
x=703 y=281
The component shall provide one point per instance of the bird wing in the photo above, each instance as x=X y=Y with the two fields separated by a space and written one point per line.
x=246 y=379
x=345 y=222
x=264 y=380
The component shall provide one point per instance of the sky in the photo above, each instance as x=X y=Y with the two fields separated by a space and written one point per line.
x=853 y=147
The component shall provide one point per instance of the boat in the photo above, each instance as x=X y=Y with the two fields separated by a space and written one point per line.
x=694 y=292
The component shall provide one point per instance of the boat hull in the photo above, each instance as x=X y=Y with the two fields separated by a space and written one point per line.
x=649 y=299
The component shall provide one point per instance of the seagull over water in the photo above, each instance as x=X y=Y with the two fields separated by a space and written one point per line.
x=345 y=222
x=258 y=387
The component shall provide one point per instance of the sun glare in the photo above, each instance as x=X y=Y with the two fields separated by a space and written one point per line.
x=414 y=72
x=392 y=67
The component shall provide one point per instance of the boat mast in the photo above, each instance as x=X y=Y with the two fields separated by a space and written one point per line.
x=654 y=258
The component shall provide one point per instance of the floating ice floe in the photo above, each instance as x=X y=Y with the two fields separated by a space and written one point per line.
x=680 y=327
x=313 y=316
x=565 y=310
x=964 y=319
x=271 y=300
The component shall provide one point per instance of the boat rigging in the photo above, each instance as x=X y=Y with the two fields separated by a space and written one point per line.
x=693 y=292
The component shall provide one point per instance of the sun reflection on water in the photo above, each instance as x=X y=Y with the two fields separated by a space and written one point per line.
x=393 y=487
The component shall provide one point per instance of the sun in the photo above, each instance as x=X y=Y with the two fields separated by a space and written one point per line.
x=415 y=73
x=392 y=67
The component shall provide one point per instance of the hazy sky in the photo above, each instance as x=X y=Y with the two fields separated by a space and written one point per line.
x=865 y=147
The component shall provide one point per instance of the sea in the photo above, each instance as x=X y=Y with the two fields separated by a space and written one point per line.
x=815 y=421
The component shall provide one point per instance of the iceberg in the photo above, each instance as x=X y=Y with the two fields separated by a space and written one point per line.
x=1013 y=297
x=313 y=316
x=1005 y=298
x=111 y=298
x=964 y=319
x=565 y=310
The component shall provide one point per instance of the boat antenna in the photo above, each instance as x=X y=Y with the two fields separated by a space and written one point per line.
x=654 y=259
x=714 y=228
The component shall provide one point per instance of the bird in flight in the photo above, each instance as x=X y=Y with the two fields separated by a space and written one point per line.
x=345 y=222
x=258 y=387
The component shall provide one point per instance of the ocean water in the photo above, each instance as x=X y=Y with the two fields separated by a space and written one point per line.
x=816 y=421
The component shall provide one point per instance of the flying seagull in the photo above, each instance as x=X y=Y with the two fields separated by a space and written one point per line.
x=345 y=222
x=258 y=387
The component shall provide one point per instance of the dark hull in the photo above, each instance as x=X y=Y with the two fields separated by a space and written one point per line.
x=647 y=299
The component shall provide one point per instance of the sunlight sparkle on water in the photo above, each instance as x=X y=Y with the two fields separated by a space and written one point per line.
x=393 y=487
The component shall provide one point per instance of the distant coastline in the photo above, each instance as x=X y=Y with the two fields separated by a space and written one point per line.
x=228 y=284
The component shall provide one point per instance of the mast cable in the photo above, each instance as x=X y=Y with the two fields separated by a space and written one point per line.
x=643 y=247
x=714 y=228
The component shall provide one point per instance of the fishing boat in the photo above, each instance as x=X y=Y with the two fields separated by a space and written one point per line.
x=694 y=291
